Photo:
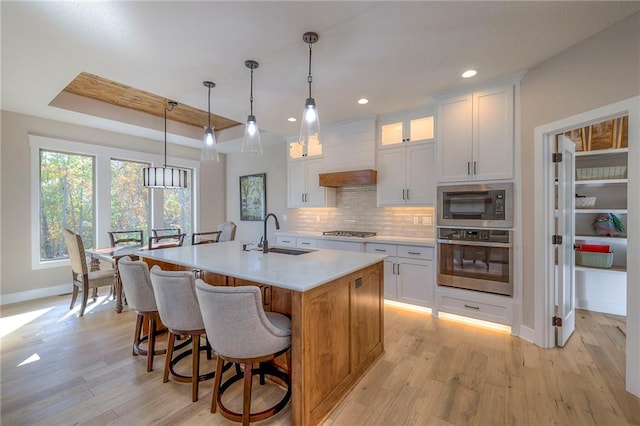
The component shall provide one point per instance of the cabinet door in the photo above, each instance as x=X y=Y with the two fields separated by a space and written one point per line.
x=391 y=133
x=390 y=286
x=454 y=139
x=415 y=281
x=282 y=240
x=493 y=134
x=421 y=175
x=306 y=242
x=296 y=177
x=315 y=194
x=419 y=129
x=391 y=177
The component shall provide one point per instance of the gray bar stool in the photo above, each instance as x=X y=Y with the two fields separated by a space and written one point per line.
x=180 y=313
x=136 y=282
x=243 y=333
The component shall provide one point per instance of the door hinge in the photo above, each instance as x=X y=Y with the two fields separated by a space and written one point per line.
x=556 y=322
x=556 y=157
x=556 y=239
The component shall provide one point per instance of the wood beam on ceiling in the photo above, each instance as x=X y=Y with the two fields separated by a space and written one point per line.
x=112 y=92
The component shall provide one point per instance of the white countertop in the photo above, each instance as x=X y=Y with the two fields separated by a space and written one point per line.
x=382 y=239
x=295 y=272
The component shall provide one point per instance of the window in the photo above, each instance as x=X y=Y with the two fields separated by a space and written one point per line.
x=93 y=189
x=66 y=201
x=178 y=207
x=129 y=199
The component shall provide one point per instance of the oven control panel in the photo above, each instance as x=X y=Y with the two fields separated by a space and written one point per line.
x=488 y=235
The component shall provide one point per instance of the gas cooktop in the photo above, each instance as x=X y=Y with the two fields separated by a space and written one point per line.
x=359 y=234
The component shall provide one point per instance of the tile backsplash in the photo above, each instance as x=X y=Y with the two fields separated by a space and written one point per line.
x=356 y=210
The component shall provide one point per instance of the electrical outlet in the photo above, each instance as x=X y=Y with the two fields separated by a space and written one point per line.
x=415 y=220
x=284 y=217
x=426 y=220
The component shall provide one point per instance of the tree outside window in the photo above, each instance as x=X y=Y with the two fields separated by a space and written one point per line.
x=66 y=201
x=129 y=199
x=178 y=206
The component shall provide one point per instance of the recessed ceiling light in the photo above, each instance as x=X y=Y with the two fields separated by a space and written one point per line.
x=363 y=101
x=291 y=119
x=469 y=73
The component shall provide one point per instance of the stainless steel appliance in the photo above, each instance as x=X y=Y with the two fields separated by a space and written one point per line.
x=476 y=205
x=359 y=234
x=476 y=259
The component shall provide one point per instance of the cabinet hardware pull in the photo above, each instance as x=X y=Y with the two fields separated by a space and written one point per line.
x=403 y=194
x=305 y=243
x=417 y=253
x=468 y=167
x=472 y=307
x=286 y=241
x=398 y=268
x=394 y=268
x=382 y=250
x=475 y=172
x=408 y=194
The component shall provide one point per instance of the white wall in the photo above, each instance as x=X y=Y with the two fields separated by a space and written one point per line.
x=273 y=162
x=596 y=72
x=18 y=280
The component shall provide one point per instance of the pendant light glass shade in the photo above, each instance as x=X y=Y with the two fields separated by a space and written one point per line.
x=310 y=123
x=209 y=151
x=164 y=177
x=251 y=144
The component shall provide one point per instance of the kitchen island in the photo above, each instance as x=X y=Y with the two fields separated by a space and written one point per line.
x=334 y=299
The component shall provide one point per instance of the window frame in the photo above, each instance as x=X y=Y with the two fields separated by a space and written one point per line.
x=102 y=185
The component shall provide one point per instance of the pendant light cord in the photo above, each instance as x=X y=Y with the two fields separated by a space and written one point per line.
x=168 y=107
x=209 y=105
x=251 y=96
x=309 y=78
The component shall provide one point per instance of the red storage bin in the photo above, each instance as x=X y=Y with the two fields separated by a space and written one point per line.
x=594 y=248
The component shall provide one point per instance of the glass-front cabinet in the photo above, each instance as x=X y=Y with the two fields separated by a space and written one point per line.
x=296 y=150
x=413 y=126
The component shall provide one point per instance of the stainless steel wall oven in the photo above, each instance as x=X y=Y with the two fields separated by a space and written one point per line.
x=476 y=259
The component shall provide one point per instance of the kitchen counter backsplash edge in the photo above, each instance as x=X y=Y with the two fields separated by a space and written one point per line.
x=381 y=239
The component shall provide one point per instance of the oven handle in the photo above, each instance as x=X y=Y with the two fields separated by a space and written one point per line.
x=474 y=243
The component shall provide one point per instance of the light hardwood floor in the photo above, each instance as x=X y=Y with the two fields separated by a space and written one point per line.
x=434 y=372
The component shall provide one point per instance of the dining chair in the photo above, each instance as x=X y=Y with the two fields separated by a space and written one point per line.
x=82 y=278
x=240 y=331
x=228 y=231
x=211 y=237
x=165 y=232
x=121 y=238
x=166 y=241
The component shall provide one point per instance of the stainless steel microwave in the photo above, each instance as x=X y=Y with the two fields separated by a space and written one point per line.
x=476 y=205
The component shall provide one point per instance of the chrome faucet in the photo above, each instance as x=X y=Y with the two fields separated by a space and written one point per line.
x=265 y=243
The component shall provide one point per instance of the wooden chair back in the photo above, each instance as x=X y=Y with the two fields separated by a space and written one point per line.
x=210 y=237
x=166 y=241
x=120 y=238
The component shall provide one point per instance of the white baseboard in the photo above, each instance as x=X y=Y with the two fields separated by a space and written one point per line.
x=527 y=333
x=22 y=296
x=602 y=306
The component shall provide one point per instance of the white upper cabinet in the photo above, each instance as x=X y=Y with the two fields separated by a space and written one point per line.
x=303 y=189
x=413 y=127
x=475 y=135
x=406 y=175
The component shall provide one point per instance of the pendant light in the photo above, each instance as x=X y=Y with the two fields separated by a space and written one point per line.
x=310 y=123
x=251 y=144
x=209 y=145
x=164 y=177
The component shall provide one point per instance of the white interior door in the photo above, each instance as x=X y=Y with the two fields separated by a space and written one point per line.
x=565 y=281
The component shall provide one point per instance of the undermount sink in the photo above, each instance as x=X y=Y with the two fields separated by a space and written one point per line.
x=283 y=250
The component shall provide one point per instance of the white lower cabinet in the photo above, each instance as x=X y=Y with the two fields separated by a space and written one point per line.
x=288 y=241
x=340 y=245
x=474 y=304
x=408 y=273
x=283 y=240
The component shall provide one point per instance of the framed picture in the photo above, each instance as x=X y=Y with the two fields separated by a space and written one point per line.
x=253 y=197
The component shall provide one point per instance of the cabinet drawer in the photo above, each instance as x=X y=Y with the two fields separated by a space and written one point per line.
x=306 y=242
x=388 y=249
x=286 y=241
x=416 y=252
x=494 y=312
